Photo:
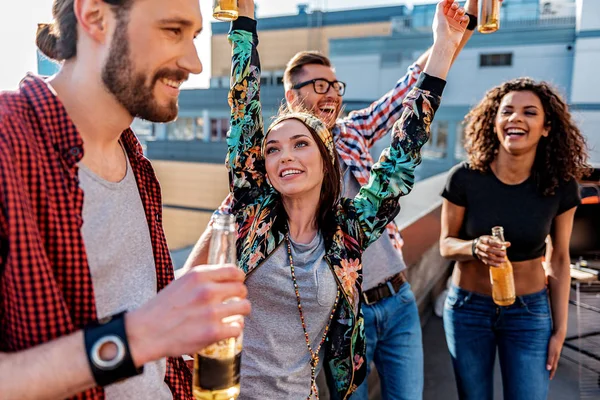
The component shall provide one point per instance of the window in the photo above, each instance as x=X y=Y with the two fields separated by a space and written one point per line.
x=200 y=128
x=279 y=81
x=215 y=82
x=218 y=129
x=181 y=129
x=459 y=148
x=441 y=140
x=495 y=60
x=186 y=128
x=422 y=15
x=142 y=128
x=437 y=145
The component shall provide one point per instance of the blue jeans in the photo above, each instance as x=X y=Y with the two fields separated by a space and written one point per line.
x=475 y=327
x=393 y=332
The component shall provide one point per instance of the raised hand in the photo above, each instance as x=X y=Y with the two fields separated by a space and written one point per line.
x=450 y=22
x=246 y=8
x=449 y=25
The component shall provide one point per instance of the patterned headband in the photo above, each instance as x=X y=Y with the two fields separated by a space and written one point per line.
x=314 y=123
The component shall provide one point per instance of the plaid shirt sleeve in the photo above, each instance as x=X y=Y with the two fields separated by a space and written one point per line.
x=375 y=121
x=3 y=213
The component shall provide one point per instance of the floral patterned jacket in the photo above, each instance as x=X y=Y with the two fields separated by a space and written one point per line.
x=358 y=221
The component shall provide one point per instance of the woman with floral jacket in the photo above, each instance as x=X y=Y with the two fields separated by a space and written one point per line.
x=299 y=243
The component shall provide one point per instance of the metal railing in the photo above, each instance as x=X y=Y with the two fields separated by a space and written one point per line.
x=407 y=25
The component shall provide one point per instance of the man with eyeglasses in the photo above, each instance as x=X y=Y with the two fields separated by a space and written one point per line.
x=392 y=323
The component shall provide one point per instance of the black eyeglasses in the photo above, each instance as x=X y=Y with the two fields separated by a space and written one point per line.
x=321 y=86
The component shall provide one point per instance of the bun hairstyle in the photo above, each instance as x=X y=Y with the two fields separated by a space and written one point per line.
x=58 y=40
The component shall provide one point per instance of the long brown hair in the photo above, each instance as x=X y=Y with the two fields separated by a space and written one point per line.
x=58 y=40
x=560 y=157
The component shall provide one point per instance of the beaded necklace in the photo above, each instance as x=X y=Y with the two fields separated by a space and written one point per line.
x=314 y=355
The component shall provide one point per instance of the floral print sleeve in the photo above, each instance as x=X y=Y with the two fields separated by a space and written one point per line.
x=393 y=175
x=244 y=160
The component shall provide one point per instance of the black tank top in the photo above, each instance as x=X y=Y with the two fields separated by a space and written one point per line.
x=525 y=213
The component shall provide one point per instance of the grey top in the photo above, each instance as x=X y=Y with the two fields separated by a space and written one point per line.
x=380 y=260
x=121 y=260
x=275 y=358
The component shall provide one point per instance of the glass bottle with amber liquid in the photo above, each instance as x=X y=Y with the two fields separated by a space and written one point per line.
x=225 y=10
x=488 y=16
x=503 y=282
x=217 y=367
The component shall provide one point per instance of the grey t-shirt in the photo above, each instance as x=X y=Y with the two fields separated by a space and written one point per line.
x=121 y=260
x=275 y=358
x=380 y=260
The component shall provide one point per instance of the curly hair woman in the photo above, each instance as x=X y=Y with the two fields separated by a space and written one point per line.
x=525 y=155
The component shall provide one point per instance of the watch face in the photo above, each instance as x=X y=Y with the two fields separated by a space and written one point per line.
x=101 y=363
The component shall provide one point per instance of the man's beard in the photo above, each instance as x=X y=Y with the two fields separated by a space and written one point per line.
x=299 y=105
x=328 y=119
x=130 y=88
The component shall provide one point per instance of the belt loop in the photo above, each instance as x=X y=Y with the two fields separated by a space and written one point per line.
x=468 y=297
x=391 y=287
x=366 y=299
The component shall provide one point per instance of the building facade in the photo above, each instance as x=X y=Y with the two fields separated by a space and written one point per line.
x=557 y=41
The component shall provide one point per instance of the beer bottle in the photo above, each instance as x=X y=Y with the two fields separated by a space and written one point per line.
x=488 y=16
x=217 y=367
x=225 y=10
x=503 y=283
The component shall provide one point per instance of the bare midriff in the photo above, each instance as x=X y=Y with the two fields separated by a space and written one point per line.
x=474 y=276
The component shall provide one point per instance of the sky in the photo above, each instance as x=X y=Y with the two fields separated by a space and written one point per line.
x=19 y=19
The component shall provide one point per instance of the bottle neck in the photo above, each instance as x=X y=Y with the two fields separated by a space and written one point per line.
x=498 y=233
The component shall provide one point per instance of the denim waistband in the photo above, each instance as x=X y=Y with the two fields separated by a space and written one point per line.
x=528 y=298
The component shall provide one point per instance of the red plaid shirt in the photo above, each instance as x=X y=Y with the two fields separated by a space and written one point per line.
x=46 y=288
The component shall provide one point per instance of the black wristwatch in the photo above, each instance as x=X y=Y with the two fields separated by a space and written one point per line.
x=472 y=22
x=107 y=331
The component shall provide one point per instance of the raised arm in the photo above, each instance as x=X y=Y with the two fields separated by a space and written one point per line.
x=244 y=159
x=376 y=121
x=393 y=176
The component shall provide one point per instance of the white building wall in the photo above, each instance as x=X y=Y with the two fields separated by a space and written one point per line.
x=586 y=80
x=468 y=82
x=589 y=123
x=588 y=15
x=361 y=74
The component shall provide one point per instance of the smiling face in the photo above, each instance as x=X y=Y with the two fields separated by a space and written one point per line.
x=325 y=106
x=151 y=54
x=293 y=160
x=520 y=122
